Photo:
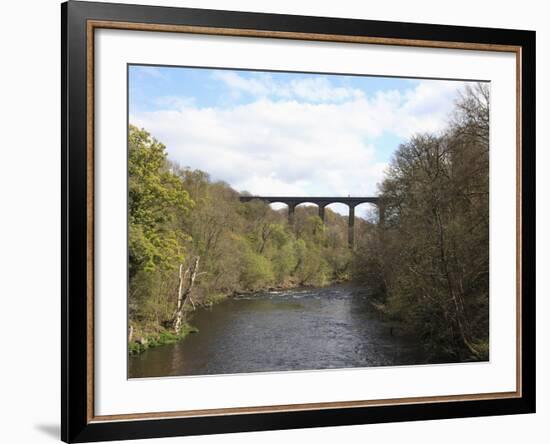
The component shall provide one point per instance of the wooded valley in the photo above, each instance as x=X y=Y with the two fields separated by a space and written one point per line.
x=192 y=243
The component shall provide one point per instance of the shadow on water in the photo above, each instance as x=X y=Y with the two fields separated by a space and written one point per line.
x=300 y=329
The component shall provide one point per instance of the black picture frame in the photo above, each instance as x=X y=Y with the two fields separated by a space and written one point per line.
x=76 y=423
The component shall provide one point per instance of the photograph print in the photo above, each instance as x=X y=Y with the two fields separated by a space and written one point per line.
x=287 y=221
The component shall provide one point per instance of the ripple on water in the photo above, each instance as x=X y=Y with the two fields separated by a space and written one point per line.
x=280 y=330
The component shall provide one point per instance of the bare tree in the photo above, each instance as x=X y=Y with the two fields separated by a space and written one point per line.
x=186 y=282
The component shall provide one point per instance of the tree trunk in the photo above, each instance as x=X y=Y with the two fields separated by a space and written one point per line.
x=185 y=294
x=455 y=295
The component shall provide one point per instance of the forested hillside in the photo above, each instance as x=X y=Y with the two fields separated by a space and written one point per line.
x=192 y=239
x=430 y=262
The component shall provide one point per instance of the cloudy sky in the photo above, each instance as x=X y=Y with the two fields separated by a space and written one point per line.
x=286 y=133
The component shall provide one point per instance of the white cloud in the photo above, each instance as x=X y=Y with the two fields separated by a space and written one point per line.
x=259 y=87
x=312 y=89
x=173 y=102
x=148 y=71
x=287 y=147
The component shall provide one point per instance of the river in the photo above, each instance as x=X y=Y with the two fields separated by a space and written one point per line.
x=299 y=329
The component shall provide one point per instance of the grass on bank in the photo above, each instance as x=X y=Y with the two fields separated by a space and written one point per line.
x=155 y=339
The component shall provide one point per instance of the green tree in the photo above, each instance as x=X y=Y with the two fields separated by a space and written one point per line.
x=177 y=215
x=157 y=202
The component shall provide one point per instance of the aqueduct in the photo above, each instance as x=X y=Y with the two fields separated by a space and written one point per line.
x=322 y=202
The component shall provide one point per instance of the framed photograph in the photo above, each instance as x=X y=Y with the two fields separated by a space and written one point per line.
x=275 y=221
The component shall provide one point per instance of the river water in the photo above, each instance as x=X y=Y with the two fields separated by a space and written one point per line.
x=299 y=329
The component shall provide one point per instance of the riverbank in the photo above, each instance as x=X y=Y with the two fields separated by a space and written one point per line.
x=289 y=284
x=161 y=336
x=478 y=351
